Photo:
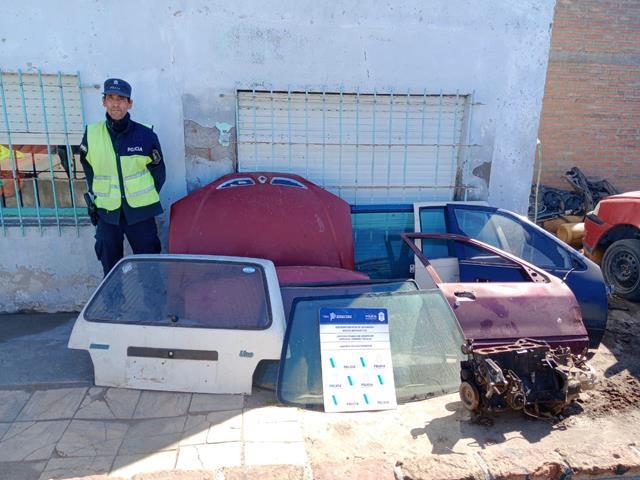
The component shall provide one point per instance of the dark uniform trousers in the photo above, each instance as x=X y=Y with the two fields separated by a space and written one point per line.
x=142 y=236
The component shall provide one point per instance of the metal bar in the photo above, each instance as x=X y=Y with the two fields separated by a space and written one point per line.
x=379 y=187
x=306 y=132
x=324 y=135
x=355 y=191
x=36 y=190
x=70 y=159
x=237 y=122
x=45 y=212
x=390 y=143
x=255 y=129
x=467 y=163
x=453 y=162
x=46 y=129
x=424 y=106
x=406 y=138
x=383 y=208
x=4 y=225
x=84 y=120
x=273 y=138
x=422 y=113
x=289 y=123
x=24 y=102
x=329 y=144
x=373 y=140
x=12 y=154
x=37 y=205
x=438 y=139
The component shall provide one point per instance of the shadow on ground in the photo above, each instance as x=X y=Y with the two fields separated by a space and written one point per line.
x=34 y=353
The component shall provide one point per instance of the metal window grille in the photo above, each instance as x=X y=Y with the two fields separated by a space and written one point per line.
x=374 y=148
x=41 y=127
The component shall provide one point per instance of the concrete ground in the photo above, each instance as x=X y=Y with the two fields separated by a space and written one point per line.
x=55 y=424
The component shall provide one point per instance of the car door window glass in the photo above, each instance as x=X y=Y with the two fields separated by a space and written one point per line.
x=378 y=247
x=432 y=220
x=514 y=237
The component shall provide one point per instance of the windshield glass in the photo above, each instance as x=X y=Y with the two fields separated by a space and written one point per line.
x=183 y=293
x=425 y=345
x=266 y=373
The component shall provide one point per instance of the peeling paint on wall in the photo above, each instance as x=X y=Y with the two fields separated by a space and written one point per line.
x=223 y=135
x=210 y=152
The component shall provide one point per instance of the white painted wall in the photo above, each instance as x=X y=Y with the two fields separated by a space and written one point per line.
x=47 y=272
x=186 y=58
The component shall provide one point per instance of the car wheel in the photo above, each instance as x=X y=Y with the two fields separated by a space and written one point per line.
x=621 y=268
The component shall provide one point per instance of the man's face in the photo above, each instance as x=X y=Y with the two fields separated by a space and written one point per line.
x=117 y=106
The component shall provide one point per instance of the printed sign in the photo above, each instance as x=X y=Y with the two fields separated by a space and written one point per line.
x=357 y=373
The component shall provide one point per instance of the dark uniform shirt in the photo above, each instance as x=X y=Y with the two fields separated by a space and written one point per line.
x=129 y=137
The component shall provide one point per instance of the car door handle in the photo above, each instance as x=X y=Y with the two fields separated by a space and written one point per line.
x=465 y=294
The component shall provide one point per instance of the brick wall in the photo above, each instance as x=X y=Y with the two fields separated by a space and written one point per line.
x=591 y=108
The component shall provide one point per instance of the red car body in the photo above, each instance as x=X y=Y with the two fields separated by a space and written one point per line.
x=612 y=239
x=611 y=213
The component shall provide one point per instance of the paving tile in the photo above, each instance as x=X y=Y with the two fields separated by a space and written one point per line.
x=31 y=440
x=274 y=453
x=52 y=404
x=59 y=468
x=148 y=436
x=196 y=457
x=224 y=428
x=11 y=402
x=108 y=403
x=195 y=430
x=203 y=402
x=89 y=438
x=272 y=414
x=217 y=426
x=162 y=404
x=260 y=398
x=129 y=465
x=272 y=432
x=21 y=470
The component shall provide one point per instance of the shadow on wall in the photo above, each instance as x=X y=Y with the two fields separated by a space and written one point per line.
x=477 y=184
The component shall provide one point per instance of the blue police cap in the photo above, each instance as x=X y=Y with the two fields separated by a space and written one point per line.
x=117 y=86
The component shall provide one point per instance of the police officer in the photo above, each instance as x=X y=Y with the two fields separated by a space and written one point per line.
x=125 y=171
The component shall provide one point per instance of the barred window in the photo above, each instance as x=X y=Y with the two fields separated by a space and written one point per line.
x=41 y=127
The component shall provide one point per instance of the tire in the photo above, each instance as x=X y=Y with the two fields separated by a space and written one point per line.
x=621 y=268
x=470 y=396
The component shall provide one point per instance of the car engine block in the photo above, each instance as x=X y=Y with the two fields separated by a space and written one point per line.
x=527 y=375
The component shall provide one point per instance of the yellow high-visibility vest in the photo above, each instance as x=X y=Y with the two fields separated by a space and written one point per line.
x=6 y=153
x=139 y=188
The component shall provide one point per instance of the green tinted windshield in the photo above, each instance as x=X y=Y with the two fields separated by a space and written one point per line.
x=425 y=345
x=266 y=373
